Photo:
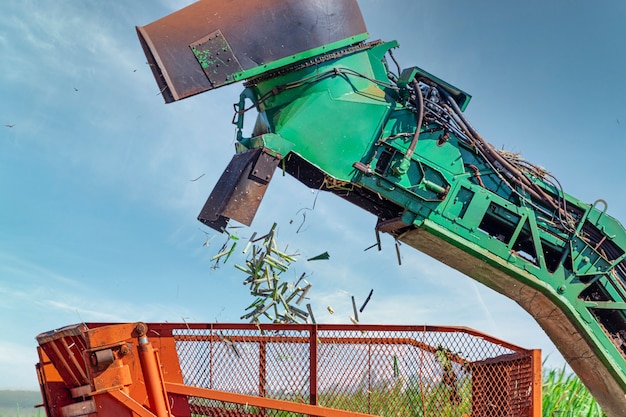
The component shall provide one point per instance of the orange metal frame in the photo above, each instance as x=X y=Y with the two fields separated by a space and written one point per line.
x=138 y=369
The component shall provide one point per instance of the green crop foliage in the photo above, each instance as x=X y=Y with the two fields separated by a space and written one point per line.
x=564 y=395
x=404 y=398
x=17 y=412
x=15 y=403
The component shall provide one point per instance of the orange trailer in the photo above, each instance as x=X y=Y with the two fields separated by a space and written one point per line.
x=247 y=370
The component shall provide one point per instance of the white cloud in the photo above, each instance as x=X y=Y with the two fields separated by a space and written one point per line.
x=26 y=271
x=17 y=365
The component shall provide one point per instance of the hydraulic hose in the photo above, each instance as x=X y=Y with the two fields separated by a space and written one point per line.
x=494 y=157
x=420 y=118
x=403 y=167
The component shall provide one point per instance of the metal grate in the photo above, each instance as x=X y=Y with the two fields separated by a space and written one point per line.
x=381 y=370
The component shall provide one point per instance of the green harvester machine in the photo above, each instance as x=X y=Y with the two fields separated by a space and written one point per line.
x=340 y=114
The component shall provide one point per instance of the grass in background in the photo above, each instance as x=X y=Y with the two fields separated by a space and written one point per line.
x=15 y=412
x=565 y=396
x=20 y=404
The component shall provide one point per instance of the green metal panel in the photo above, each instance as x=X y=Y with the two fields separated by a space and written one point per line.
x=306 y=106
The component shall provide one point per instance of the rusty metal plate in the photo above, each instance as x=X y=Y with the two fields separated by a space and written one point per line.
x=258 y=32
x=216 y=58
x=264 y=168
x=240 y=189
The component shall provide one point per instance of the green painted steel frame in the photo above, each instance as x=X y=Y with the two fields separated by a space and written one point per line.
x=345 y=111
x=270 y=66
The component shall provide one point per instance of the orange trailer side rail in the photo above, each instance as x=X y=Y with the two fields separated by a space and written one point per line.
x=240 y=370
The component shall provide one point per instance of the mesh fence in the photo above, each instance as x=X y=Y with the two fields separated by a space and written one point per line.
x=381 y=370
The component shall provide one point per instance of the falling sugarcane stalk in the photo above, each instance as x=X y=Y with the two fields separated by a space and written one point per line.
x=310 y=310
x=263 y=268
x=304 y=294
x=243 y=269
x=370 y=247
x=249 y=242
x=299 y=311
x=255 y=303
x=293 y=294
x=275 y=263
x=219 y=255
x=398 y=253
x=356 y=313
x=265 y=308
x=269 y=238
x=299 y=279
x=223 y=252
x=367 y=300
x=285 y=305
x=252 y=314
x=230 y=343
x=285 y=256
x=267 y=279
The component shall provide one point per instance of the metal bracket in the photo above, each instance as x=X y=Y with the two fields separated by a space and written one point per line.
x=240 y=189
x=216 y=58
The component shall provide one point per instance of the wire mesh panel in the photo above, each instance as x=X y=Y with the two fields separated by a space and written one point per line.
x=380 y=370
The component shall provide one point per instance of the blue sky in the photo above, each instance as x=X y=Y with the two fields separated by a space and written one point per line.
x=98 y=214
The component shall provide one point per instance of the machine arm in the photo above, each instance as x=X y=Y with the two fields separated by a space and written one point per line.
x=346 y=118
